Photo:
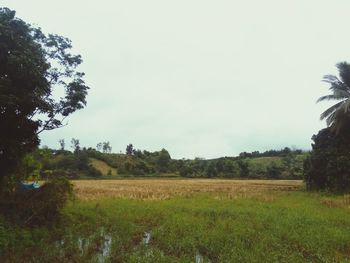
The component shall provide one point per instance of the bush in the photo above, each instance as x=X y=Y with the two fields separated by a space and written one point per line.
x=328 y=166
x=186 y=171
x=37 y=206
x=93 y=172
x=274 y=171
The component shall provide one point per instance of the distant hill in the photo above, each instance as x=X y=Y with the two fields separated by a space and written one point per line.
x=283 y=164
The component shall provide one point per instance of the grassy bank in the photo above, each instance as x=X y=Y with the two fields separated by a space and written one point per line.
x=209 y=226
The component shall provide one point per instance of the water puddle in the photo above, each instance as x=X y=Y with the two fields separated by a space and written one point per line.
x=104 y=239
x=83 y=244
x=146 y=238
x=199 y=258
x=106 y=248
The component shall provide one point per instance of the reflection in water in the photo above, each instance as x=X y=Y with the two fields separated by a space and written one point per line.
x=146 y=238
x=199 y=258
x=105 y=248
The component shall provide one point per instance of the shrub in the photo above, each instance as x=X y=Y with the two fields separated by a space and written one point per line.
x=274 y=171
x=93 y=172
x=37 y=206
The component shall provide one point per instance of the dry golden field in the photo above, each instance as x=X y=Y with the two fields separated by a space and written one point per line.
x=166 y=188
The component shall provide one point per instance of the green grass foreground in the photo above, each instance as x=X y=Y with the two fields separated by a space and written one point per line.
x=283 y=227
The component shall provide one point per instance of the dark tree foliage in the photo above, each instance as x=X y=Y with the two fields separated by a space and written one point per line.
x=106 y=147
x=211 y=170
x=75 y=145
x=328 y=166
x=129 y=149
x=270 y=153
x=37 y=206
x=62 y=144
x=32 y=66
x=338 y=116
x=274 y=171
x=243 y=168
x=163 y=161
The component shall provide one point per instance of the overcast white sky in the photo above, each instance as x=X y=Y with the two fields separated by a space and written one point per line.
x=199 y=78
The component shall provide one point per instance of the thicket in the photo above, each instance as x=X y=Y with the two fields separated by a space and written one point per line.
x=287 y=167
x=328 y=166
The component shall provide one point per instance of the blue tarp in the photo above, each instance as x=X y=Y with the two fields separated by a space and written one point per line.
x=24 y=186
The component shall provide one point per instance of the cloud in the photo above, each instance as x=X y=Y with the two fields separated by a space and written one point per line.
x=199 y=78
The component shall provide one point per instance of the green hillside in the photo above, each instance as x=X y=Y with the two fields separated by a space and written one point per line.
x=283 y=164
x=103 y=167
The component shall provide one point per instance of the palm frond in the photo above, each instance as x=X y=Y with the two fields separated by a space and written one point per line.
x=338 y=116
x=346 y=106
x=340 y=90
x=342 y=93
x=339 y=87
x=330 y=118
x=344 y=72
x=330 y=111
x=335 y=83
x=331 y=97
x=330 y=79
x=340 y=120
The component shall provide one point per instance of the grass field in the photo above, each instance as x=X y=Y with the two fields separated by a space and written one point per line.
x=189 y=221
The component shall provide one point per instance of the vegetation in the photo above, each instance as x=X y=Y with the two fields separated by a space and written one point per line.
x=33 y=65
x=338 y=116
x=103 y=167
x=40 y=206
x=271 y=226
x=90 y=162
x=160 y=189
x=184 y=219
x=327 y=168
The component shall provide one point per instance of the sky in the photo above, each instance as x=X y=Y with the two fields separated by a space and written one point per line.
x=199 y=78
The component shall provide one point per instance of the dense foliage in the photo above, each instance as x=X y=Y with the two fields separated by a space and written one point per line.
x=37 y=206
x=275 y=167
x=85 y=162
x=338 y=116
x=328 y=166
x=32 y=66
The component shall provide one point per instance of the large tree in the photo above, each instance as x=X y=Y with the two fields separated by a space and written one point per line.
x=328 y=166
x=39 y=87
x=338 y=115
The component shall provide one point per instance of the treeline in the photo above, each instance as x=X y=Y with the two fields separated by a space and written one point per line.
x=83 y=162
x=271 y=153
x=46 y=163
x=78 y=163
x=287 y=167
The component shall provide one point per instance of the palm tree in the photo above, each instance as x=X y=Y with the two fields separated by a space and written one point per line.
x=338 y=115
